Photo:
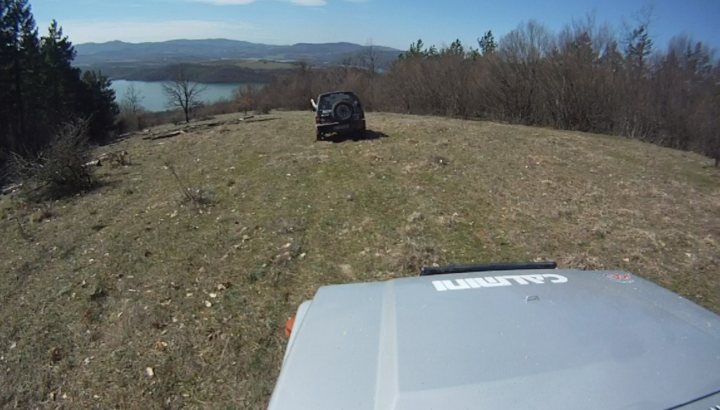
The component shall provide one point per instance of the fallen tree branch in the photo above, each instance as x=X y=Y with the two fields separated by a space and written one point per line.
x=11 y=188
x=166 y=135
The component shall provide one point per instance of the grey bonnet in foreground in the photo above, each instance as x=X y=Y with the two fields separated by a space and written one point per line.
x=527 y=339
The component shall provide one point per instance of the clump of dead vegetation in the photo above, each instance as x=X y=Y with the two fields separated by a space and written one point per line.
x=61 y=169
x=199 y=198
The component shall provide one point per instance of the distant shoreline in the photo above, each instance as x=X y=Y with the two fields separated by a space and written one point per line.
x=210 y=72
x=153 y=98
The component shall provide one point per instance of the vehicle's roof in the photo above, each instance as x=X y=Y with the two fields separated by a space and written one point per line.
x=554 y=339
x=337 y=92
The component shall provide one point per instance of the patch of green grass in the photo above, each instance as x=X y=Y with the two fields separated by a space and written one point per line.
x=134 y=275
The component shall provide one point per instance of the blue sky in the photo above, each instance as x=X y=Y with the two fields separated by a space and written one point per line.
x=394 y=23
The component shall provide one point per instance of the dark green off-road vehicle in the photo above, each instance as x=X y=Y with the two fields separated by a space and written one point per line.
x=338 y=112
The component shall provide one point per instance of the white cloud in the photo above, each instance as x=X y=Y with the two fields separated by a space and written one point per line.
x=140 y=31
x=225 y=2
x=308 y=3
x=314 y=3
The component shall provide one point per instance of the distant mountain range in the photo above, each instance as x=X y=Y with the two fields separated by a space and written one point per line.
x=177 y=51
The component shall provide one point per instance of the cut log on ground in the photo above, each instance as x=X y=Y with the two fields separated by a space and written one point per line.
x=10 y=189
x=161 y=136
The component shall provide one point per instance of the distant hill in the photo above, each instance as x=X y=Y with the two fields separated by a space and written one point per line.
x=175 y=51
x=215 y=71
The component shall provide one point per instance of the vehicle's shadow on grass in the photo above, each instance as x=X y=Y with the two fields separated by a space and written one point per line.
x=369 y=135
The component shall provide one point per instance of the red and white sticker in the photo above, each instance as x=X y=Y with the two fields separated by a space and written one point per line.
x=620 y=277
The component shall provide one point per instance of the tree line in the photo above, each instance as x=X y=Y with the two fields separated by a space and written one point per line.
x=583 y=78
x=40 y=91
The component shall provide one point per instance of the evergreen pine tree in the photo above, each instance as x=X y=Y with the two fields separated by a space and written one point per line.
x=487 y=43
x=98 y=104
x=639 y=46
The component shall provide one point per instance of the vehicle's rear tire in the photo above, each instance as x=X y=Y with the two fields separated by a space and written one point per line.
x=319 y=136
x=342 y=111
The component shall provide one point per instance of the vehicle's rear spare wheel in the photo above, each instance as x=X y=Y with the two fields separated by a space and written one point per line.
x=342 y=111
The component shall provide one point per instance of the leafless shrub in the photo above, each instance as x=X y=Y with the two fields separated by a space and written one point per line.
x=118 y=158
x=61 y=169
x=246 y=97
x=198 y=197
x=216 y=108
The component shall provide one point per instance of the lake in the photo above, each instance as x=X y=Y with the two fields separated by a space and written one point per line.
x=154 y=99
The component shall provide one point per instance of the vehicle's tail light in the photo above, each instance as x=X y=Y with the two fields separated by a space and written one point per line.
x=289 y=326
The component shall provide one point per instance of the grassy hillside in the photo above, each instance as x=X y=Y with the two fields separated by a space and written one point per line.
x=134 y=276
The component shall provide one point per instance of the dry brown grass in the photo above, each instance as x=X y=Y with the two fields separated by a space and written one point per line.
x=99 y=288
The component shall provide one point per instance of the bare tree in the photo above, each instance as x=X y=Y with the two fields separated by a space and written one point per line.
x=246 y=97
x=131 y=110
x=369 y=58
x=132 y=100
x=183 y=93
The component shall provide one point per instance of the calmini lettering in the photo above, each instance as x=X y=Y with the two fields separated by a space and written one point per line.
x=497 y=281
